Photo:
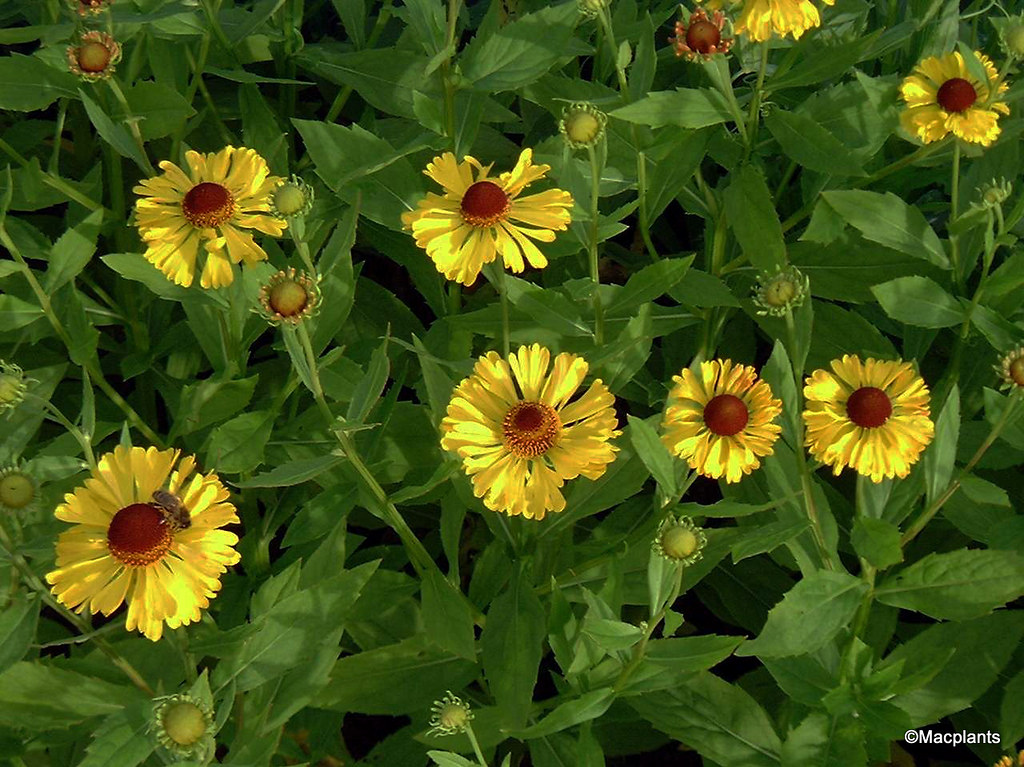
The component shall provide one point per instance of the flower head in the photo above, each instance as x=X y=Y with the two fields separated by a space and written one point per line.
x=679 y=541
x=289 y=297
x=1011 y=36
x=519 y=436
x=449 y=716
x=872 y=416
x=19 y=491
x=479 y=217
x=183 y=725
x=123 y=548
x=88 y=7
x=701 y=36
x=223 y=194
x=721 y=420
x=943 y=97
x=582 y=125
x=291 y=198
x=591 y=8
x=1011 y=370
x=758 y=19
x=12 y=385
x=94 y=56
x=782 y=292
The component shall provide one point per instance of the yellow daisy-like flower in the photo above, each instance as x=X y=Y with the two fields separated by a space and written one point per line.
x=944 y=97
x=758 y=19
x=872 y=416
x=126 y=546
x=519 y=436
x=479 y=217
x=223 y=194
x=721 y=421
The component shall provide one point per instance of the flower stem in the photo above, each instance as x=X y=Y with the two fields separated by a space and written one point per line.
x=753 y=119
x=609 y=33
x=954 y=204
x=939 y=502
x=52 y=180
x=806 y=482
x=133 y=125
x=495 y=273
x=78 y=435
x=476 y=746
x=645 y=227
x=595 y=218
x=76 y=620
x=641 y=646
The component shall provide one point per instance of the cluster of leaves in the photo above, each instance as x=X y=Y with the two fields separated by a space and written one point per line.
x=538 y=624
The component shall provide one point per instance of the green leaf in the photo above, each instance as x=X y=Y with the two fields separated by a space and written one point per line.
x=512 y=643
x=293 y=629
x=956 y=585
x=17 y=630
x=27 y=699
x=1011 y=712
x=824 y=741
x=653 y=453
x=886 y=219
x=115 y=135
x=28 y=84
x=205 y=403
x=696 y=653
x=370 y=386
x=83 y=338
x=611 y=635
x=549 y=308
x=649 y=283
x=685 y=107
x=821 y=63
x=386 y=77
x=395 y=679
x=520 y=52
x=919 y=301
x=976 y=652
x=587 y=707
x=292 y=473
x=754 y=221
x=446 y=616
x=17 y=313
x=766 y=538
x=122 y=739
x=134 y=266
x=71 y=252
x=940 y=458
x=448 y=759
x=237 y=446
x=721 y=721
x=878 y=541
x=160 y=109
x=811 y=613
x=810 y=145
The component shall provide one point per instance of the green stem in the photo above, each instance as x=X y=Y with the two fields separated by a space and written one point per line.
x=754 y=118
x=454 y=298
x=495 y=274
x=314 y=374
x=446 y=71
x=52 y=180
x=58 y=131
x=133 y=125
x=476 y=746
x=339 y=101
x=806 y=482
x=595 y=218
x=954 y=204
x=79 y=436
x=641 y=647
x=91 y=366
x=606 y=25
x=74 y=619
x=939 y=502
x=645 y=226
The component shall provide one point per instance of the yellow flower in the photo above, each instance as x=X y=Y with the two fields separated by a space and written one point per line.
x=519 y=436
x=126 y=547
x=872 y=416
x=224 y=193
x=943 y=96
x=759 y=18
x=721 y=421
x=479 y=217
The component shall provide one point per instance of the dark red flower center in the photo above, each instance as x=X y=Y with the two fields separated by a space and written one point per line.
x=138 y=535
x=703 y=36
x=208 y=204
x=484 y=203
x=726 y=415
x=869 y=407
x=93 y=57
x=957 y=95
x=1016 y=371
x=531 y=428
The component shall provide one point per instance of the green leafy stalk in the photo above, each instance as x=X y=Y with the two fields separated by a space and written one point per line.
x=595 y=219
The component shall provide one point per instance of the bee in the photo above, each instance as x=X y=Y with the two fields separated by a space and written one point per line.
x=174 y=511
